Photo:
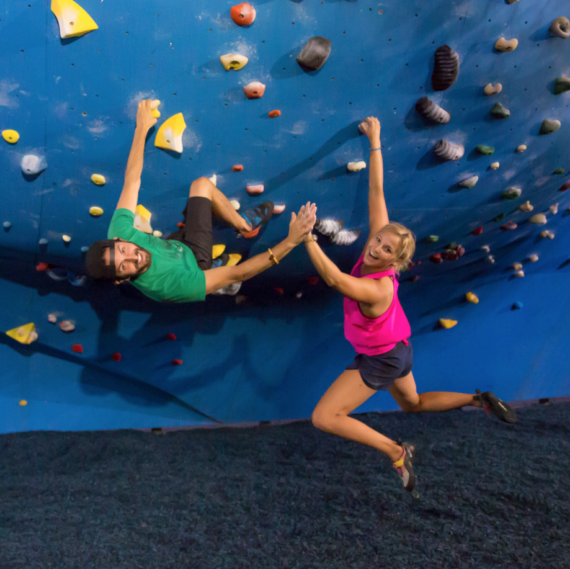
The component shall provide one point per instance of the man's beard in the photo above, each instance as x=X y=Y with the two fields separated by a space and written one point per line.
x=145 y=263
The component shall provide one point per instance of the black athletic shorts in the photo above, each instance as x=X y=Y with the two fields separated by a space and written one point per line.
x=379 y=372
x=197 y=231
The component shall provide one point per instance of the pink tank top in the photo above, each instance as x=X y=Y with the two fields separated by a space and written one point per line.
x=373 y=336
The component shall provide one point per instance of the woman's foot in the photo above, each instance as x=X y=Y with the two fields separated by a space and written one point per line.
x=255 y=218
x=404 y=467
x=493 y=405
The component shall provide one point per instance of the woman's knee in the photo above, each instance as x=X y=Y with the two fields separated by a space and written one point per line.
x=202 y=187
x=322 y=419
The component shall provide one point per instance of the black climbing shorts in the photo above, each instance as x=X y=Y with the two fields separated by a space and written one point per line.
x=197 y=231
x=379 y=372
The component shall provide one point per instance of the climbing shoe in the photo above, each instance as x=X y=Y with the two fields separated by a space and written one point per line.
x=404 y=467
x=257 y=217
x=492 y=404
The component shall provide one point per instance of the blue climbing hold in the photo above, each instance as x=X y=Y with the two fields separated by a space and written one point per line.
x=517 y=305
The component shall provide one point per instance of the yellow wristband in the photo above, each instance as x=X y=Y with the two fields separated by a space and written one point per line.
x=272 y=257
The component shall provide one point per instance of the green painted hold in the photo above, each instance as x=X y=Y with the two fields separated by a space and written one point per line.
x=559 y=171
x=561 y=85
x=452 y=245
x=499 y=217
x=485 y=150
x=549 y=126
x=499 y=112
x=511 y=193
x=431 y=239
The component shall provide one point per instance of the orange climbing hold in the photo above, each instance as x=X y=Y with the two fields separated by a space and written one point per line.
x=116 y=357
x=77 y=348
x=171 y=337
x=177 y=362
x=180 y=225
x=237 y=168
x=243 y=14
x=273 y=114
x=254 y=90
x=313 y=280
x=43 y=267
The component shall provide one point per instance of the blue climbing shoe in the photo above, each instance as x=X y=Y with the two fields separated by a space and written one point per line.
x=492 y=404
x=257 y=217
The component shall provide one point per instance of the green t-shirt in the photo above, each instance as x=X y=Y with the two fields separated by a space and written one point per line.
x=174 y=274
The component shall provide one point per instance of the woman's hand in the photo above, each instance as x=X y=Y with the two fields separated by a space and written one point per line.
x=145 y=120
x=302 y=223
x=371 y=128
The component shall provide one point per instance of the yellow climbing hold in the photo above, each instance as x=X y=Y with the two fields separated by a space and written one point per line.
x=217 y=250
x=169 y=135
x=98 y=179
x=470 y=297
x=23 y=403
x=233 y=61
x=155 y=112
x=445 y=323
x=73 y=19
x=235 y=258
x=24 y=334
x=66 y=238
x=10 y=136
x=142 y=219
x=96 y=211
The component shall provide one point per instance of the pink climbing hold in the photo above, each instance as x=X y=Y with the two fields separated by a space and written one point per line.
x=177 y=362
x=77 y=348
x=477 y=231
x=312 y=280
x=243 y=14
x=565 y=187
x=436 y=258
x=254 y=90
x=171 y=336
x=237 y=168
x=273 y=114
x=453 y=253
x=116 y=357
x=255 y=190
x=509 y=226
x=277 y=209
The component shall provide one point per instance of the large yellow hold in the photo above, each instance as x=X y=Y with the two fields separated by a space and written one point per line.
x=24 y=334
x=73 y=19
x=142 y=219
x=10 y=136
x=169 y=135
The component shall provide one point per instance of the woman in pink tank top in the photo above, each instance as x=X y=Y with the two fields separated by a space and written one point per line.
x=376 y=325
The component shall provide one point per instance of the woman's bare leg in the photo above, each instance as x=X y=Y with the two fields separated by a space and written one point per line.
x=331 y=414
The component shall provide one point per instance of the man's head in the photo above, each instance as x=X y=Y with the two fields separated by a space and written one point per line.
x=117 y=260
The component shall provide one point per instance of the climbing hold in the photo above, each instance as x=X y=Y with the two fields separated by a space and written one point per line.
x=549 y=126
x=432 y=111
x=509 y=226
x=25 y=334
x=23 y=403
x=67 y=326
x=431 y=239
x=446 y=323
x=77 y=348
x=169 y=135
x=446 y=68
x=73 y=20
x=10 y=136
x=171 y=337
x=217 y=250
x=485 y=150
x=312 y=280
x=491 y=89
x=436 y=258
x=504 y=45
x=243 y=14
x=254 y=90
x=277 y=209
x=452 y=253
x=43 y=266
x=177 y=362
x=32 y=165
x=157 y=233
x=315 y=53
x=517 y=266
x=76 y=280
x=414 y=278
x=565 y=187
x=521 y=148
x=233 y=61
x=499 y=217
x=255 y=189
x=43 y=242
x=517 y=305
x=547 y=234
x=235 y=204
x=66 y=238
x=7 y=224
x=538 y=218
x=470 y=297
x=477 y=231
x=491 y=259
x=345 y=237
x=526 y=207
x=180 y=225
x=52 y=318
x=469 y=182
x=213 y=179
x=356 y=166
x=329 y=227
x=511 y=1
x=511 y=193
x=533 y=258
x=561 y=27
x=561 y=85
x=241 y=298
x=449 y=151
x=233 y=260
x=485 y=248
x=559 y=171
x=116 y=357
x=237 y=168
x=554 y=209
x=494 y=166
x=98 y=179
x=499 y=112
x=142 y=219
x=278 y=290
x=83 y=249
x=518 y=274
x=273 y=114
x=298 y=294
x=95 y=211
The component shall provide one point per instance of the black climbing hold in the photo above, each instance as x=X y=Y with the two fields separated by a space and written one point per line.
x=432 y=111
x=315 y=53
x=448 y=150
x=446 y=68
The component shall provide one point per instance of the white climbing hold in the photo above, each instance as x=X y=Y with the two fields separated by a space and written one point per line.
x=32 y=164
x=345 y=237
x=469 y=182
x=235 y=204
x=547 y=234
x=533 y=258
x=486 y=248
x=98 y=179
x=67 y=326
x=356 y=166
x=526 y=207
x=169 y=135
x=66 y=238
x=73 y=20
x=491 y=89
x=255 y=190
x=519 y=274
x=521 y=148
x=157 y=233
x=329 y=227
x=52 y=318
x=538 y=218
x=214 y=180
x=491 y=259
x=554 y=209
x=277 y=209
x=495 y=166
x=517 y=266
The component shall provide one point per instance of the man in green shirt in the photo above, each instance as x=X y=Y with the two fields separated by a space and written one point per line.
x=178 y=269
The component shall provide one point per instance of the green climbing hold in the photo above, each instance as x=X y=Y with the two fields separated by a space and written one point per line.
x=499 y=112
x=549 y=126
x=499 y=217
x=561 y=85
x=559 y=171
x=511 y=193
x=485 y=150
x=431 y=239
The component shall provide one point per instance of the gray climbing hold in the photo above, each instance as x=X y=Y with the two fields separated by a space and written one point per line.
x=32 y=164
x=43 y=241
x=84 y=249
x=485 y=150
x=329 y=227
x=511 y=193
x=561 y=27
x=315 y=53
x=446 y=68
x=432 y=111
x=7 y=225
x=469 y=182
x=499 y=112
x=561 y=85
x=549 y=126
x=345 y=237
x=448 y=150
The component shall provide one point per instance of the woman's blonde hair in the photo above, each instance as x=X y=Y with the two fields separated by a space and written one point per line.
x=407 y=244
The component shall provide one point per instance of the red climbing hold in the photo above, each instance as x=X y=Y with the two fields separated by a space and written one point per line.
x=237 y=168
x=77 y=348
x=436 y=258
x=477 y=231
x=509 y=226
x=180 y=225
x=177 y=362
x=414 y=278
x=313 y=280
x=273 y=114
x=170 y=336
x=565 y=187
x=43 y=267
x=116 y=357
x=243 y=14
x=278 y=290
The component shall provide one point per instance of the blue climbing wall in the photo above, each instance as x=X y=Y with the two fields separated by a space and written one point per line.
x=271 y=357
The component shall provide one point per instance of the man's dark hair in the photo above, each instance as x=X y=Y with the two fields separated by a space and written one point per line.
x=95 y=263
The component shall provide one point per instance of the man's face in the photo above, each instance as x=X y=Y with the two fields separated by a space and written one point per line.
x=130 y=259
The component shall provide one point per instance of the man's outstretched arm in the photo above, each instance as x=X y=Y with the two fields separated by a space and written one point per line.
x=145 y=121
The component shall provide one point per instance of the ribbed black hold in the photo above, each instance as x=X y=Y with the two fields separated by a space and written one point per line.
x=448 y=150
x=446 y=68
x=432 y=111
x=315 y=53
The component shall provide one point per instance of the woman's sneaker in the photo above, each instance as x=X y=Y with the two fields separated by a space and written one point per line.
x=492 y=404
x=256 y=217
x=404 y=467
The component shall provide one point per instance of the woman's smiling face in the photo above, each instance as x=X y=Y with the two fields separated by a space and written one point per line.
x=381 y=250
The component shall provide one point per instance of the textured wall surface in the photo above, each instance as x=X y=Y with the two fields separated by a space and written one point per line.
x=74 y=102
